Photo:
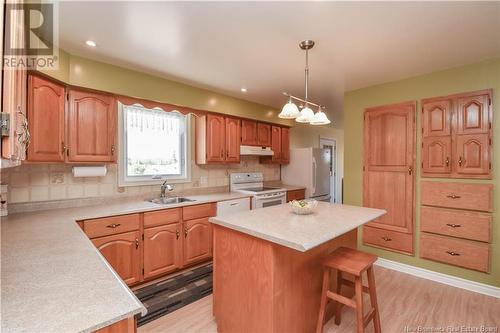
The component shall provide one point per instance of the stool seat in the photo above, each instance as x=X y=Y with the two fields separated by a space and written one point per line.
x=350 y=261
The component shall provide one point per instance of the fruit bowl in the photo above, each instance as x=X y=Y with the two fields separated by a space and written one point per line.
x=303 y=207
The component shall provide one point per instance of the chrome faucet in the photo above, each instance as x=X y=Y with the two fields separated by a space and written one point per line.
x=164 y=188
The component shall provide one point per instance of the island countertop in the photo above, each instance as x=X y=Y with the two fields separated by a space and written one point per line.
x=278 y=224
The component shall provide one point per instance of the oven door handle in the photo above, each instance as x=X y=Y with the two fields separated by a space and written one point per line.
x=271 y=197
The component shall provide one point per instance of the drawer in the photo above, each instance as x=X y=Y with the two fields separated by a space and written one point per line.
x=295 y=195
x=458 y=252
x=111 y=225
x=388 y=239
x=458 y=195
x=162 y=217
x=198 y=211
x=456 y=223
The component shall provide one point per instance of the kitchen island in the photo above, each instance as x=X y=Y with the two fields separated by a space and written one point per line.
x=268 y=264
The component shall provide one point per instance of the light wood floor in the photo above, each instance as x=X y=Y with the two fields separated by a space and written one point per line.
x=404 y=300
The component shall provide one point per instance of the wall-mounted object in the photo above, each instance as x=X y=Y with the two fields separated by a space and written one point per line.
x=89 y=171
x=457 y=136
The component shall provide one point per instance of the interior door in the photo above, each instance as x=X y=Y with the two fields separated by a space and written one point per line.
x=215 y=138
x=162 y=249
x=389 y=164
x=233 y=138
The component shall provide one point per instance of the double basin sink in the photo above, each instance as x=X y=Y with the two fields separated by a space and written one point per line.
x=170 y=200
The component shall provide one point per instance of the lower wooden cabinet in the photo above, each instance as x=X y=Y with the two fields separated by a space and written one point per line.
x=123 y=326
x=197 y=241
x=123 y=254
x=295 y=195
x=162 y=250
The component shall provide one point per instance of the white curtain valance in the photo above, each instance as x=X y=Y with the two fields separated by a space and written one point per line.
x=141 y=119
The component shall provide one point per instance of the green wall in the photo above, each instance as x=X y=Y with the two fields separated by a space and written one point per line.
x=467 y=78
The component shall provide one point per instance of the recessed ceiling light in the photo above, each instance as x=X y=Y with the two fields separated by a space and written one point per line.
x=243 y=89
x=91 y=43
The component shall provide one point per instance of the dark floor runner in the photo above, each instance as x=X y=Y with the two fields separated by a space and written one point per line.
x=173 y=293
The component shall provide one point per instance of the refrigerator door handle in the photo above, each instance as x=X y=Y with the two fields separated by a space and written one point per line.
x=314 y=169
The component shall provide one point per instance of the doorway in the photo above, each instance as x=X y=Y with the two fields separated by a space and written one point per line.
x=331 y=144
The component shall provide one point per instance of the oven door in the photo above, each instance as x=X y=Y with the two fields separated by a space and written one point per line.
x=269 y=200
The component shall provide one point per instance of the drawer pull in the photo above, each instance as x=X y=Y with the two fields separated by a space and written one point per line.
x=453 y=196
x=453 y=225
x=447 y=161
x=185 y=233
x=114 y=225
x=387 y=239
x=177 y=233
x=234 y=204
x=136 y=243
x=452 y=253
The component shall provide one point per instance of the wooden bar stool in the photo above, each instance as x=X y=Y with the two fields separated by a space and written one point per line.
x=353 y=262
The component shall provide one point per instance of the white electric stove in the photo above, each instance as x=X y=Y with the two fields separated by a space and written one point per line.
x=253 y=183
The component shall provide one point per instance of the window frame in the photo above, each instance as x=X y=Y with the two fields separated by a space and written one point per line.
x=124 y=180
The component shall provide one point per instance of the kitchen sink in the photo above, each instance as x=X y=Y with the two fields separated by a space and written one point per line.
x=170 y=200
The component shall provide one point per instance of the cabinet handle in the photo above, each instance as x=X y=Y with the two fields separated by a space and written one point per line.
x=410 y=170
x=114 y=225
x=177 y=234
x=63 y=147
x=112 y=149
x=447 y=161
x=136 y=243
x=453 y=225
x=453 y=196
x=221 y=153
x=185 y=232
x=452 y=253
x=460 y=161
x=387 y=239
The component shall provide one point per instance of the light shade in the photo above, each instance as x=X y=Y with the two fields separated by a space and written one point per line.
x=289 y=111
x=305 y=115
x=320 y=118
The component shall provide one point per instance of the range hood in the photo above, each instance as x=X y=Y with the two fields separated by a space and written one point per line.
x=256 y=150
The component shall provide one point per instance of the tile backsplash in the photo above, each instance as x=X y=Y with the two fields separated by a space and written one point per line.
x=44 y=182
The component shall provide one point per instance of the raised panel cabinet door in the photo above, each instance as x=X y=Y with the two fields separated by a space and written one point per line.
x=436 y=117
x=276 y=143
x=197 y=240
x=389 y=164
x=285 y=145
x=248 y=132
x=91 y=127
x=473 y=114
x=122 y=251
x=436 y=156
x=162 y=249
x=215 y=138
x=472 y=155
x=46 y=120
x=233 y=139
x=264 y=135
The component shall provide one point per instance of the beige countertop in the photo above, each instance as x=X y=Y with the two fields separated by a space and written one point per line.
x=54 y=280
x=278 y=224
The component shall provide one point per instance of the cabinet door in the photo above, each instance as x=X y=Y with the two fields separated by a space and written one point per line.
x=123 y=254
x=389 y=165
x=91 y=127
x=436 y=156
x=472 y=155
x=436 y=118
x=285 y=145
x=215 y=138
x=197 y=240
x=46 y=120
x=473 y=114
x=162 y=249
x=248 y=132
x=263 y=135
x=276 y=143
x=233 y=139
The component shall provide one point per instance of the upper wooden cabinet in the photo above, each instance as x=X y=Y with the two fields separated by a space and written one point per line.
x=248 y=132
x=456 y=136
x=46 y=120
x=285 y=145
x=91 y=127
x=263 y=135
x=280 y=145
x=276 y=143
x=217 y=139
x=232 y=140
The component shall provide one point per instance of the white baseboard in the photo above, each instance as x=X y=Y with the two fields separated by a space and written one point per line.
x=440 y=277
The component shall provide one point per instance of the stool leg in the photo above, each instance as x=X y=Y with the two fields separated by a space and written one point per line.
x=358 y=286
x=324 y=299
x=338 y=305
x=373 y=299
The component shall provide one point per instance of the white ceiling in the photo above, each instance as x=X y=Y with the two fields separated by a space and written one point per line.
x=224 y=46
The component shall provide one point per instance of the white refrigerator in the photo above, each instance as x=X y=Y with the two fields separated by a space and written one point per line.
x=309 y=167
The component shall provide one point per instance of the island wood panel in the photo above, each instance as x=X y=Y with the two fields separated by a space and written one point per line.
x=123 y=326
x=389 y=169
x=264 y=287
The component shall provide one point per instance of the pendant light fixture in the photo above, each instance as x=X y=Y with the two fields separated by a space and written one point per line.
x=306 y=115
